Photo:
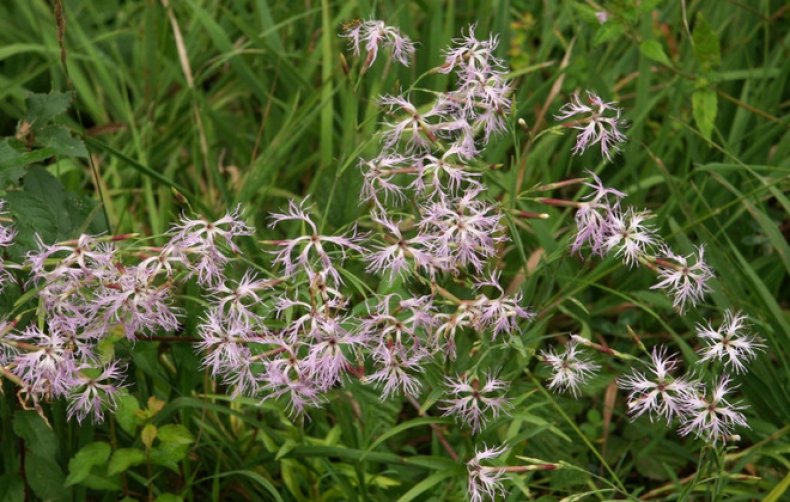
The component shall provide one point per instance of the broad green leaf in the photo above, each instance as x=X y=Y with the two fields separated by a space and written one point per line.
x=38 y=437
x=89 y=456
x=704 y=104
x=96 y=481
x=123 y=458
x=175 y=434
x=12 y=488
x=174 y=441
x=168 y=497
x=126 y=414
x=706 y=44
x=45 y=477
x=652 y=50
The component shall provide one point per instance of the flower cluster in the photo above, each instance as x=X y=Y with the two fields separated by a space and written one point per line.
x=704 y=409
x=295 y=328
x=313 y=339
x=606 y=228
x=91 y=289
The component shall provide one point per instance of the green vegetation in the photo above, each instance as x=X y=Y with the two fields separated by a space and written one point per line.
x=119 y=117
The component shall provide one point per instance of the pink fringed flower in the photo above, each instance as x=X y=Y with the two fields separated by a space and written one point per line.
x=485 y=482
x=686 y=277
x=297 y=252
x=471 y=400
x=375 y=34
x=599 y=123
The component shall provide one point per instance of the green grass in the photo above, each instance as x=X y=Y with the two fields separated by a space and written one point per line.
x=255 y=108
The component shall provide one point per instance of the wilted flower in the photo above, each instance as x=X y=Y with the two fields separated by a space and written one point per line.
x=570 y=370
x=657 y=392
x=730 y=342
x=686 y=277
x=712 y=417
x=374 y=34
x=485 y=482
x=598 y=121
x=471 y=399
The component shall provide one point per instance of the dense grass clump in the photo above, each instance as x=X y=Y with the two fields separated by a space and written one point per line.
x=433 y=250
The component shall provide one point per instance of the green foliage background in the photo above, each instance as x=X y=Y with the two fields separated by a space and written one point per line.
x=253 y=106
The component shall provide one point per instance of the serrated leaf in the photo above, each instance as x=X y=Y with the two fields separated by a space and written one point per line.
x=89 y=456
x=706 y=43
x=652 y=50
x=61 y=141
x=704 y=104
x=41 y=108
x=123 y=458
